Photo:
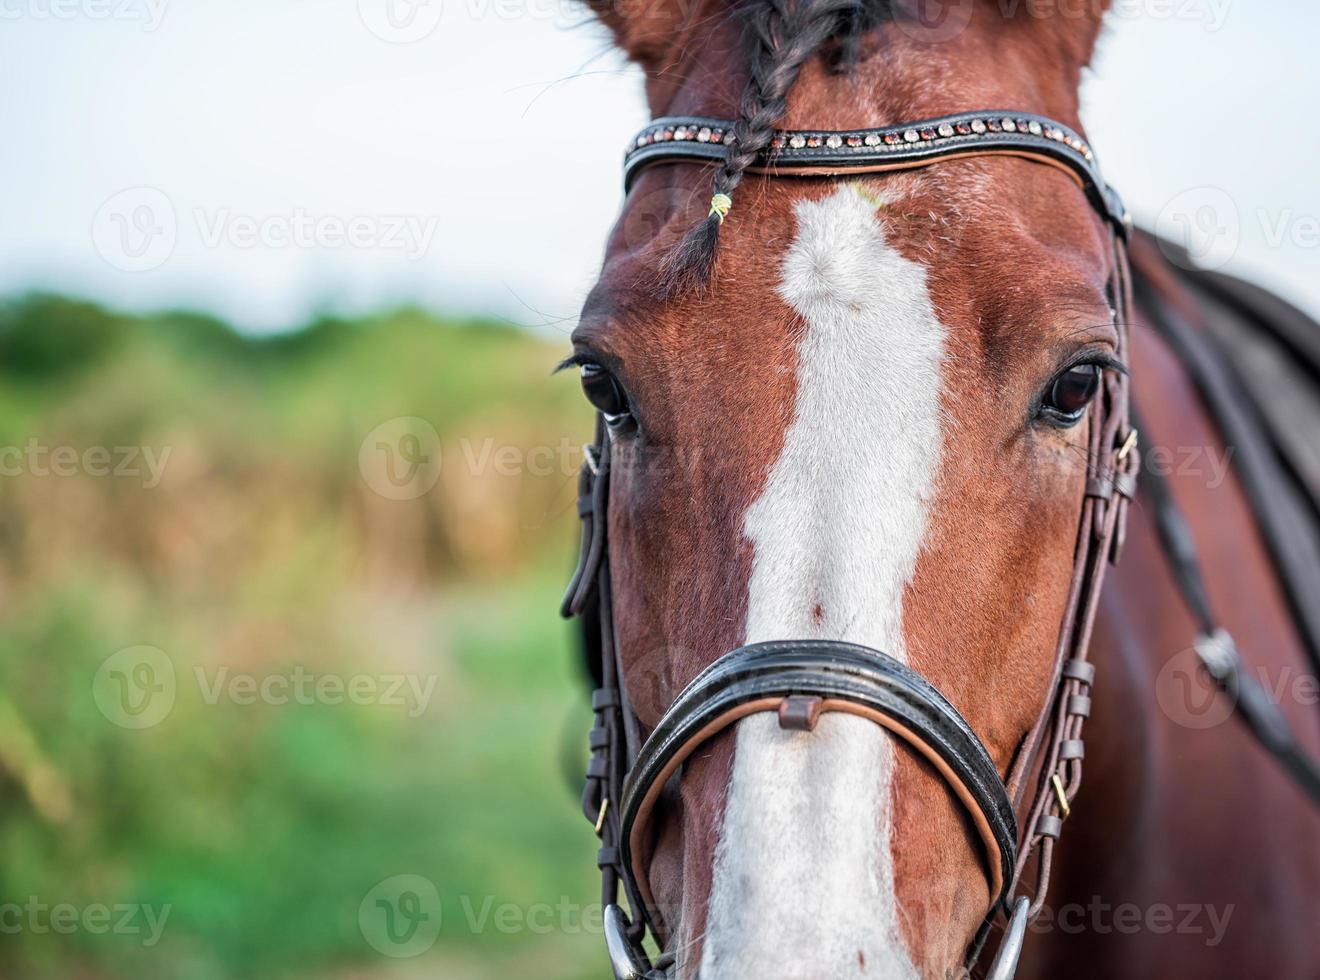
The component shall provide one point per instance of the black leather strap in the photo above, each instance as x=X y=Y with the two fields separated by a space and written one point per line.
x=593 y=498
x=831 y=671
x=912 y=144
x=1258 y=711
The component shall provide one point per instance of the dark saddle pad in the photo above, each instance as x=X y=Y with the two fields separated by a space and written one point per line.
x=1256 y=361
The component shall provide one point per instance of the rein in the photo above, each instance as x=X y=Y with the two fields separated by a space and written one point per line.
x=1019 y=815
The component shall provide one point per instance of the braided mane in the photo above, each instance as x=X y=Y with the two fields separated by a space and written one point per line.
x=780 y=37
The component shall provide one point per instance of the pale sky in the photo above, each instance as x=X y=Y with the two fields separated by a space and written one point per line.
x=267 y=159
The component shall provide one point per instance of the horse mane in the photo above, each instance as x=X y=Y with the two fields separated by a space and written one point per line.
x=779 y=38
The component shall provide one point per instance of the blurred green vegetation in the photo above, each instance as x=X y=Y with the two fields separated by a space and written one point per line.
x=263 y=549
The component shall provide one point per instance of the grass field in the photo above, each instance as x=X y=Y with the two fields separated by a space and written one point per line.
x=263 y=816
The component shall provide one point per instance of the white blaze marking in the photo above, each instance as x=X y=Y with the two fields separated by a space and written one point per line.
x=804 y=878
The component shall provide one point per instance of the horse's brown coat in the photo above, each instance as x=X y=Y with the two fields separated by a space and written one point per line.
x=1016 y=264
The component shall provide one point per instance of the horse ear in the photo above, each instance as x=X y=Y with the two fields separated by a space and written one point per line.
x=646 y=30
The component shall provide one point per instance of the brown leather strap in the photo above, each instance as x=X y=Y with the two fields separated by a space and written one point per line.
x=919 y=143
x=1054 y=750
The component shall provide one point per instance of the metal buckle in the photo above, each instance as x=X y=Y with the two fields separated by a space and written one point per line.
x=1218 y=652
x=625 y=959
x=1062 y=796
x=591 y=456
x=1129 y=444
x=1010 y=948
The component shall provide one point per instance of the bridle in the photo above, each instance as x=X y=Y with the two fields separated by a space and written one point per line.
x=801 y=679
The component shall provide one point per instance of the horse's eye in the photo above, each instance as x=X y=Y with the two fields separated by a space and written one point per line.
x=1070 y=392
x=607 y=395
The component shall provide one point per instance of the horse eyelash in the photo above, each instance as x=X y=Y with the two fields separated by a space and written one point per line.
x=575 y=360
x=1101 y=359
x=1108 y=362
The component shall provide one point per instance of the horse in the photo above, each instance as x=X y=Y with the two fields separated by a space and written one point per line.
x=874 y=429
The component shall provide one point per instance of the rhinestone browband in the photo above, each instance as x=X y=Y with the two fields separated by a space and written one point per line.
x=825 y=152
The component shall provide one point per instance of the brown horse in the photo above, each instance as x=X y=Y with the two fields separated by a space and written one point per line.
x=856 y=409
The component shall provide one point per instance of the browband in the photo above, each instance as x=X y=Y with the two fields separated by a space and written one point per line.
x=815 y=152
x=822 y=676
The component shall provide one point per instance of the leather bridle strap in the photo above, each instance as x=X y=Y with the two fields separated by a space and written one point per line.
x=1216 y=648
x=801 y=679
x=815 y=153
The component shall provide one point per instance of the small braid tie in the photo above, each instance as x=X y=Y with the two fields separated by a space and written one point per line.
x=780 y=37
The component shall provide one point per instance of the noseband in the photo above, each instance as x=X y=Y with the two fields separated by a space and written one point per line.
x=801 y=679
